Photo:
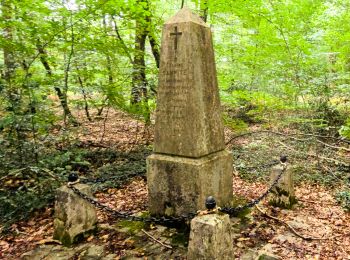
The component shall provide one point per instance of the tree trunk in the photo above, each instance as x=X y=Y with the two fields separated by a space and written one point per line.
x=68 y=114
x=62 y=96
x=86 y=104
x=154 y=46
x=9 y=58
x=139 y=81
x=204 y=10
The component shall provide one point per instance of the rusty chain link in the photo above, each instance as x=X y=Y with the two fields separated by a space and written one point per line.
x=234 y=210
x=172 y=220
x=259 y=167
x=163 y=220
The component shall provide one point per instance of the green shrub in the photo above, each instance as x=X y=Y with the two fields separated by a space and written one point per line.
x=345 y=129
x=343 y=198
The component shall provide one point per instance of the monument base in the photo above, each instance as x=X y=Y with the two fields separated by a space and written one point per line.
x=179 y=185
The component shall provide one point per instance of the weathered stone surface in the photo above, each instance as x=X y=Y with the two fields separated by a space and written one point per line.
x=179 y=185
x=74 y=216
x=268 y=257
x=283 y=194
x=210 y=238
x=267 y=253
x=57 y=252
x=94 y=252
x=51 y=252
x=188 y=116
x=190 y=162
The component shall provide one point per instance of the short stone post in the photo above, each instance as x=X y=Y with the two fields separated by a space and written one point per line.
x=282 y=195
x=210 y=237
x=74 y=216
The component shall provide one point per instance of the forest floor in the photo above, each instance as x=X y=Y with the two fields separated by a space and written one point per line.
x=321 y=227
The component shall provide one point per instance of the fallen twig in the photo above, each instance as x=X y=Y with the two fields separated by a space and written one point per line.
x=290 y=135
x=337 y=162
x=156 y=240
x=292 y=228
x=333 y=146
x=318 y=202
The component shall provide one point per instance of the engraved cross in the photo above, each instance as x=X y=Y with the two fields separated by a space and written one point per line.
x=176 y=34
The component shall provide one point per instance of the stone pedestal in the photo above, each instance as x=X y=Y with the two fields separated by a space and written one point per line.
x=178 y=185
x=74 y=216
x=283 y=194
x=210 y=238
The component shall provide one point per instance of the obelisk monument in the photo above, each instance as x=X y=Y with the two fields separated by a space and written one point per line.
x=189 y=161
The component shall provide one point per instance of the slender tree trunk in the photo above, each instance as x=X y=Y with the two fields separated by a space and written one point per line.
x=154 y=45
x=125 y=48
x=86 y=104
x=9 y=58
x=108 y=58
x=139 y=81
x=71 y=118
x=62 y=96
x=204 y=10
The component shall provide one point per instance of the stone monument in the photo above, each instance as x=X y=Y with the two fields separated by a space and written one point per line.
x=189 y=161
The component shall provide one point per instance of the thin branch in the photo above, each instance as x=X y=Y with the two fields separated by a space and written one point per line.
x=37 y=55
x=156 y=240
x=125 y=48
x=292 y=228
x=333 y=146
x=288 y=135
x=315 y=155
x=104 y=125
x=317 y=202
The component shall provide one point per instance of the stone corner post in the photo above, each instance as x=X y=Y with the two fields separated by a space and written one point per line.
x=74 y=216
x=211 y=234
x=282 y=195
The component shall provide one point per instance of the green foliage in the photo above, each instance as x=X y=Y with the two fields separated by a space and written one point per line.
x=345 y=129
x=235 y=124
x=27 y=189
x=252 y=106
x=343 y=198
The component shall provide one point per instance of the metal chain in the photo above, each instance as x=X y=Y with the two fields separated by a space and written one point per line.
x=127 y=175
x=258 y=167
x=234 y=210
x=163 y=220
x=171 y=220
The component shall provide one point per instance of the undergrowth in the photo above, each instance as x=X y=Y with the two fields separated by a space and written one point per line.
x=30 y=188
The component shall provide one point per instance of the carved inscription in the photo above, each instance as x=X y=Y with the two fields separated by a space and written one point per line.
x=175 y=91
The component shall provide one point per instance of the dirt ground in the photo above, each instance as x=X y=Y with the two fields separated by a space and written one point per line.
x=316 y=228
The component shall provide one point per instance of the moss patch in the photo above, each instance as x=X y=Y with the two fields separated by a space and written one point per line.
x=180 y=239
x=282 y=199
x=131 y=227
